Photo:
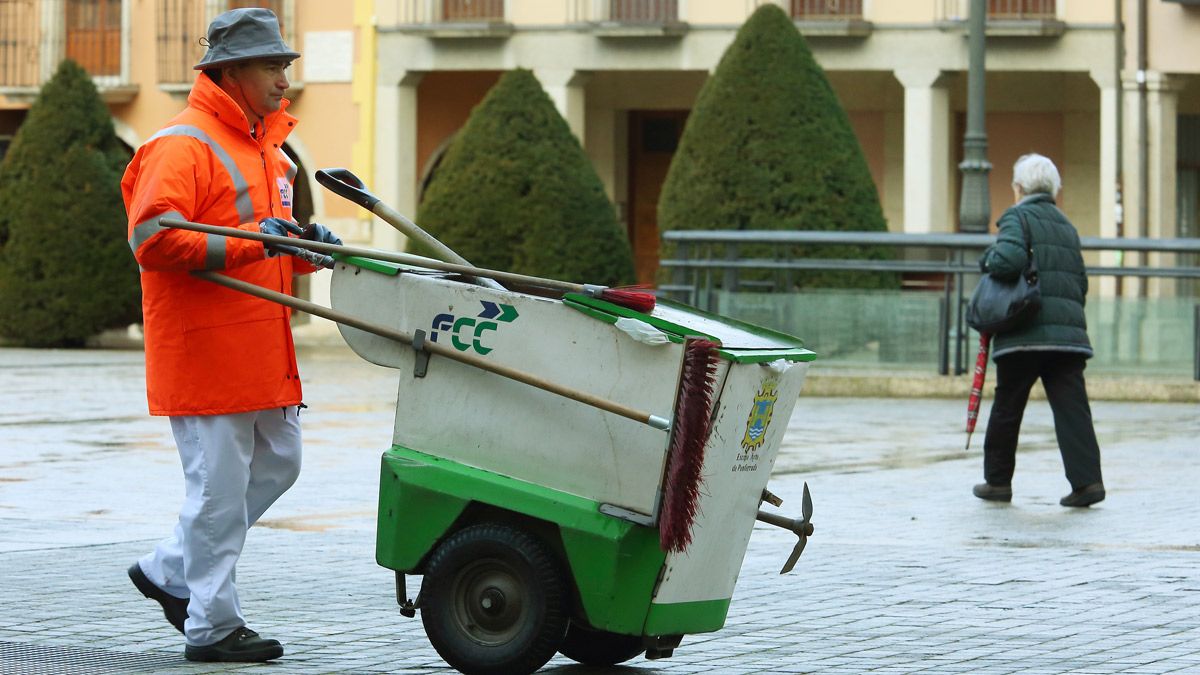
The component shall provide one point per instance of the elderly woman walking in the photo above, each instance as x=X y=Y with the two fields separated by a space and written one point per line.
x=1053 y=346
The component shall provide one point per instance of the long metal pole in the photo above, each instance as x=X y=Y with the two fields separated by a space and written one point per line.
x=377 y=254
x=975 y=207
x=1143 y=136
x=1119 y=65
x=975 y=204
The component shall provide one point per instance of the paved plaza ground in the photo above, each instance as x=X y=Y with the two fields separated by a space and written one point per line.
x=906 y=573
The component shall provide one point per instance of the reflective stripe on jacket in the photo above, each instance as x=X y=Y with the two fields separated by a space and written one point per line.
x=212 y=350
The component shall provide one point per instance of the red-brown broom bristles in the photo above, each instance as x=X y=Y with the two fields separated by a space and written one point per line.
x=633 y=297
x=689 y=435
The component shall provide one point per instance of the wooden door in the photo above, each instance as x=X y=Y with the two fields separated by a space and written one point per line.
x=93 y=35
x=653 y=137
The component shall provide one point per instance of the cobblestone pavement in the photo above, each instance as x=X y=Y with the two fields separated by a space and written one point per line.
x=906 y=573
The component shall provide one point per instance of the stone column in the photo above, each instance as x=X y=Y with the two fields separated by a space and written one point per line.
x=566 y=88
x=1161 y=110
x=395 y=154
x=1106 y=80
x=926 y=151
x=53 y=44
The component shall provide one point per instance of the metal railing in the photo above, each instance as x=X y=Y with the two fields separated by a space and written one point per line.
x=625 y=12
x=707 y=262
x=36 y=35
x=823 y=10
x=417 y=12
x=181 y=24
x=20 y=43
x=1020 y=10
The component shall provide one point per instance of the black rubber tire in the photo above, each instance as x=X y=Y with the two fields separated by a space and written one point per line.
x=494 y=601
x=599 y=647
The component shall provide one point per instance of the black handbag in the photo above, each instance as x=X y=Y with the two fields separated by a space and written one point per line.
x=999 y=306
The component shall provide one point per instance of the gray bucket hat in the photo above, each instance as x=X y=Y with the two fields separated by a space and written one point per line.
x=242 y=35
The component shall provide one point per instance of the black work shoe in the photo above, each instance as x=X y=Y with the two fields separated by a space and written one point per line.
x=1084 y=496
x=242 y=645
x=175 y=609
x=993 y=493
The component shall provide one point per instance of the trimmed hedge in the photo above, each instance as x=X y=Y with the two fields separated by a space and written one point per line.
x=66 y=271
x=516 y=192
x=769 y=147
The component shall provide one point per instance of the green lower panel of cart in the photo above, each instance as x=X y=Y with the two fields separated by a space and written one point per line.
x=683 y=618
x=614 y=564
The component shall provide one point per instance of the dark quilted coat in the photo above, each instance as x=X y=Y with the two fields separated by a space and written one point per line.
x=1060 y=325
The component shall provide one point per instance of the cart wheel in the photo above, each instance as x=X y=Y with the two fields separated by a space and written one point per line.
x=599 y=647
x=493 y=601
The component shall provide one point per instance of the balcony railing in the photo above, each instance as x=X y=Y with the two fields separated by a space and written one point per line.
x=419 y=12
x=36 y=35
x=626 y=12
x=20 y=44
x=181 y=24
x=1002 y=10
x=826 y=10
x=1022 y=9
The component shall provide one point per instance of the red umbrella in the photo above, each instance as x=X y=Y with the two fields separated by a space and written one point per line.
x=985 y=344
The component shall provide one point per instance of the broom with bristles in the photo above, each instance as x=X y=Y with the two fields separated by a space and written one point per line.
x=689 y=434
x=345 y=184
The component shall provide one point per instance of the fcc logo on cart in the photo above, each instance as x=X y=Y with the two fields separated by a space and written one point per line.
x=471 y=332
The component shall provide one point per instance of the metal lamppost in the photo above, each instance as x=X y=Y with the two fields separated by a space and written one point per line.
x=975 y=207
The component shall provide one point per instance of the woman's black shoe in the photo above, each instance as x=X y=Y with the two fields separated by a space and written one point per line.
x=175 y=609
x=242 y=645
x=1084 y=496
x=993 y=493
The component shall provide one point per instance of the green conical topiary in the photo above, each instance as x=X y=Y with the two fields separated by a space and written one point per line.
x=66 y=271
x=768 y=147
x=516 y=192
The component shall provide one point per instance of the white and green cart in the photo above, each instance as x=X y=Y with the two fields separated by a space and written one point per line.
x=532 y=517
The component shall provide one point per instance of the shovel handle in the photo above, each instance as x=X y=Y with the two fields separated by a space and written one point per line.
x=375 y=254
x=345 y=184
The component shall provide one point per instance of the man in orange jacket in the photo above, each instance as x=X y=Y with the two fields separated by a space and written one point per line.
x=220 y=364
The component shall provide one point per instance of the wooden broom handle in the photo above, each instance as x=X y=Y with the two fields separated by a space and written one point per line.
x=377 y=254
x=435 y=348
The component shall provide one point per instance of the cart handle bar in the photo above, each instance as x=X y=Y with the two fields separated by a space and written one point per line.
x=435 y=348
x=387 y=256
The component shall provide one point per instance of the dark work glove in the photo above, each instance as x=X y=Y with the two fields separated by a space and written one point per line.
x=318 y=232
x=281 y=228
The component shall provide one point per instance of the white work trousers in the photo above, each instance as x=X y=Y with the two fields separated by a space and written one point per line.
x=235 y=467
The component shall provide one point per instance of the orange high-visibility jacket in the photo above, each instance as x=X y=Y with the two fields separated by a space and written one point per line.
x=212 y=350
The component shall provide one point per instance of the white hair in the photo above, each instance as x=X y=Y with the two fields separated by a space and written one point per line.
x=1034 y=173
